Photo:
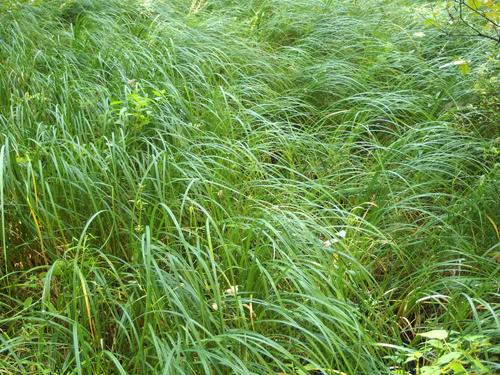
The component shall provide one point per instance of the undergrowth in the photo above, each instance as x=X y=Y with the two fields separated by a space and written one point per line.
x=245 y=187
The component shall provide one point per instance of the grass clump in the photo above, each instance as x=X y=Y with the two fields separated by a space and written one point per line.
x=270 y=186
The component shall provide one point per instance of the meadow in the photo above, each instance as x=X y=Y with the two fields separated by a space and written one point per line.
x=247 y=187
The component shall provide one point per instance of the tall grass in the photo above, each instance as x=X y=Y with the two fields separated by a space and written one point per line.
x=267 y=186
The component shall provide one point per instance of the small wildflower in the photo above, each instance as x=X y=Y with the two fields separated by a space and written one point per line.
x=215 y=307
x=419 y=34
x=338 y=236
x=330 y=242
x=232 y=291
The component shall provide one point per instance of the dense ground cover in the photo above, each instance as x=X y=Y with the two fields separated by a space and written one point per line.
x=261 y=186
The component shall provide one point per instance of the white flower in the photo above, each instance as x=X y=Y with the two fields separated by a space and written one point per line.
x=330 y=242
x=338 y=236
x=215 y=307
x=232 y=291
x=419 y=34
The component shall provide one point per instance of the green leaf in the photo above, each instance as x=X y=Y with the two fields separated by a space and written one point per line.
x=474 y=4
x=414 y=356
x=58 y=267
x=457 y=368
x=448 y=357
x=27 y=302
x=464 y=68
x=429 y=22
x=479 y=367
x=22 y=159
x=435 y=343
x=51 y=307
x=430 y=370
x=116 y=362
x=438 y=334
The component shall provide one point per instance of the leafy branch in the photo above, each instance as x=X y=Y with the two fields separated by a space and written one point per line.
x=479 y=16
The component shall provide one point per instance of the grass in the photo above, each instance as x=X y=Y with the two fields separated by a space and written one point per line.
x=258 y=187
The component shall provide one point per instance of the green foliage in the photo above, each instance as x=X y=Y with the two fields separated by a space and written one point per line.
x=482 y=17
x=457 y=354
x=246 y=187
x=137 y=110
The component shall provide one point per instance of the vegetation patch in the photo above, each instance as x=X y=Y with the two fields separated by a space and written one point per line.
x=249 y=187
